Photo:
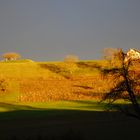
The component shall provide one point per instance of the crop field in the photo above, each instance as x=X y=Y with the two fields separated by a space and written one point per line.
x=59 y=100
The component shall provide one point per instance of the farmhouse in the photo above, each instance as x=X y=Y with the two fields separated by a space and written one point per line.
x=132 y=54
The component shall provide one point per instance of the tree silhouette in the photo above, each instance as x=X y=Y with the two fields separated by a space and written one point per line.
x=126 y=83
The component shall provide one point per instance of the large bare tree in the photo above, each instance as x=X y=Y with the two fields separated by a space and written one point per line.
x=126 y=86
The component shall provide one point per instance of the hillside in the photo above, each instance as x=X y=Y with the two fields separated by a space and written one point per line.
x=57 y=99
x=28 y=81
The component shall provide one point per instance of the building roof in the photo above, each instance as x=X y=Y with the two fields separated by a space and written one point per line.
x=136 y=50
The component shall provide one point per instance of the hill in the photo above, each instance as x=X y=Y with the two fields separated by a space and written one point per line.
x=47 y=81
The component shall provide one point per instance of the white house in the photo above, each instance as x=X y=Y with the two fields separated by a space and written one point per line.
x=132 y=54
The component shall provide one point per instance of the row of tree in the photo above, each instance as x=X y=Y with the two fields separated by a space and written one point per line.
x=14 y=56
x=109 y=54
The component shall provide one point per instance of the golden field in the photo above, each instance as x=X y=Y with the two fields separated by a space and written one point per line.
x=41 y=100
x=28 y=81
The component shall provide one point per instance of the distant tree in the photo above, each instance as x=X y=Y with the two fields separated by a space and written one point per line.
x=11 y=56
x=71 y=59
x=126 y=86
x=112 y=55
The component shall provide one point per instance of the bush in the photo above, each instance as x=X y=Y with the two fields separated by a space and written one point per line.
x=71 y=59
x=4 y=86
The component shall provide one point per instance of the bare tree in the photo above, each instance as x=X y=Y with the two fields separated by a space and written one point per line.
x=111 y=55
x=125 y=86
x=11 y=56
x=71 y=59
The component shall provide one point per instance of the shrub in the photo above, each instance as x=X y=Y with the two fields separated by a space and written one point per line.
x=71 y=59
x=4 y=86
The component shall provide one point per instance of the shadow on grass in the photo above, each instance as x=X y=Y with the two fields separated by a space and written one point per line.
x=15 y=107
x=56 y=69
x=90 y=65
x=51 y=67
x=28 y=123
x=84 y=87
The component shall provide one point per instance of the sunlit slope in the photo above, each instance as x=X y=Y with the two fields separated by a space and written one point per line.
x=30 y=69
x=18 y=70
x=73 y=70
x=50 y=81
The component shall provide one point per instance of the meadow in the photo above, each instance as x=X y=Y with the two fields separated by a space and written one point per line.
x=49 y=81
x=59 y=100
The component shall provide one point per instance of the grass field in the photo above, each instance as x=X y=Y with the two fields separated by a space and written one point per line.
x=45 y=81
x=58 y=100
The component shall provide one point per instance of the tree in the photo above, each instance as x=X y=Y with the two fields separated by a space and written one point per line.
x=71 y=59
x=11 y=56
x=126 y=86
x=111 y=55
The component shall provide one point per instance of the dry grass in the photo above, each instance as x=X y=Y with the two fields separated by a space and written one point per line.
x=51 y=81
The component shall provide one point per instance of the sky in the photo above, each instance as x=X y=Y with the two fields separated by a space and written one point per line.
x=48 y=30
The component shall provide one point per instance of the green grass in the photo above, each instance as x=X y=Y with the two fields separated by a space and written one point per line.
x=70 y=105
x=60 y=109
x=91 y=105
x=12 y=110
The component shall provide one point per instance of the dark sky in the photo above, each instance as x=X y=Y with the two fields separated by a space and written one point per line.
x=47 y=30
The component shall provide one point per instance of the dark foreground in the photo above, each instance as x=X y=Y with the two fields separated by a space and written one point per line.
x=67 y=125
